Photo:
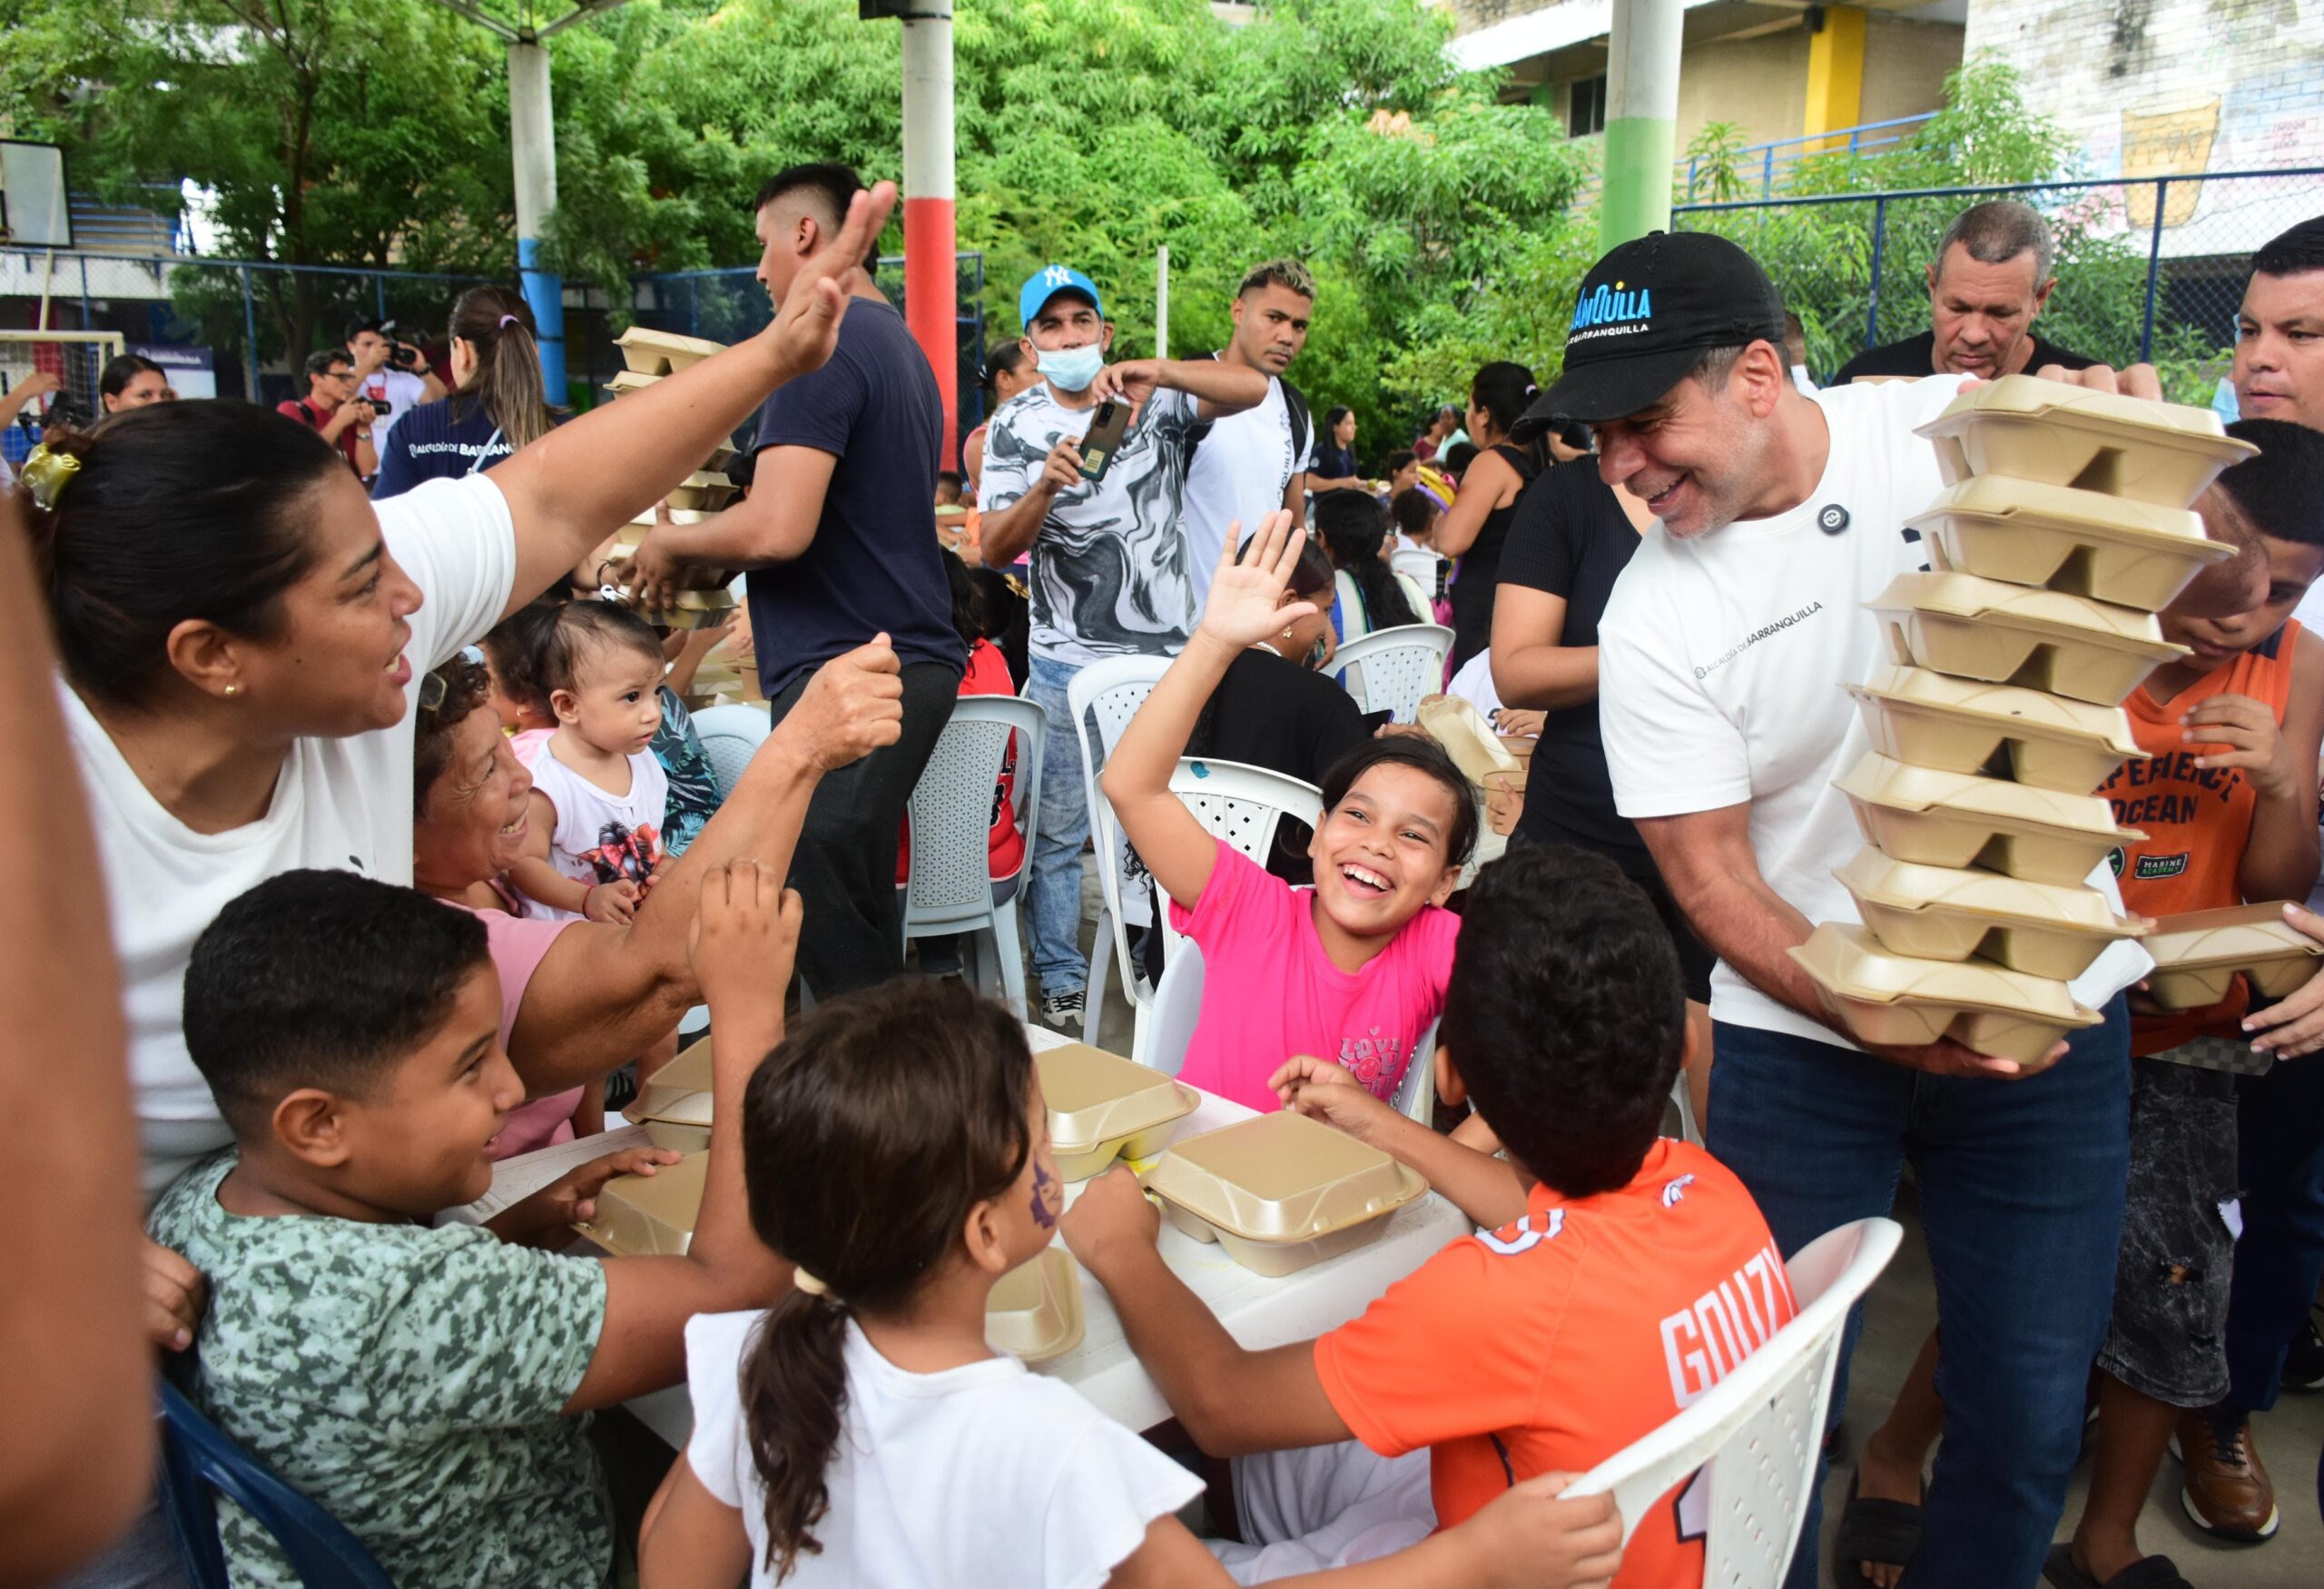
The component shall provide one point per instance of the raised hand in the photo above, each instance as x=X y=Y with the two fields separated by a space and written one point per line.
x=852 y=706
x=1131 y=381
x=1246 y=602
x=806 y=329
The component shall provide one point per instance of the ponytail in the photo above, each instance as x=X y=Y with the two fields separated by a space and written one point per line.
x=869 y=1135
x=1354 y=530
x=794 y=1385
x=498 y=325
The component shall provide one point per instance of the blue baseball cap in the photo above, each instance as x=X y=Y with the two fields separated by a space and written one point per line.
x=1049 y=282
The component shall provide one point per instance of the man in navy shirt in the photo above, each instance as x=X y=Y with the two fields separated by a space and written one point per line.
x=839 y=533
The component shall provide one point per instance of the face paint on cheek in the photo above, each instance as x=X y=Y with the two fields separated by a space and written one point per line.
x=1047 y=1196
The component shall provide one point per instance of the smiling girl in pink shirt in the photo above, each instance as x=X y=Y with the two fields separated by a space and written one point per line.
x=1352 y=971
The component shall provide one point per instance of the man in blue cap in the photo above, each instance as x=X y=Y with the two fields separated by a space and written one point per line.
x=1108 y=573
x=1721 y=656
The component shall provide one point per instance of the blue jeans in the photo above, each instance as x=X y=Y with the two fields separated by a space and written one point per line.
x=1053 y=896
x=2280 y=1256
x=2020 y=1198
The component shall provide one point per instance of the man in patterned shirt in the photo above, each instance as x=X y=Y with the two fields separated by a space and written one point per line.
x=1109 y=574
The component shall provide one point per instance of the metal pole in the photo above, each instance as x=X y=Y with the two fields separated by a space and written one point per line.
x=1162 y=301
x=1879 y=239
x=931 y=277
x=250 y=340
x=532 y=136
x=1641 y=116
x=2153 y=269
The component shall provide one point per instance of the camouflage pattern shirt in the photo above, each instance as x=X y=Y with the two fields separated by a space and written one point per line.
x=408 y=1381
x=1110 y=563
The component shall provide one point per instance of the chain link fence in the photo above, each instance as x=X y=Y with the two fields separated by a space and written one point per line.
x=2148 y=269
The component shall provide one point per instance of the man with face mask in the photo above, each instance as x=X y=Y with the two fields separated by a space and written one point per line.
x=1109 y=574
x=1721 y=656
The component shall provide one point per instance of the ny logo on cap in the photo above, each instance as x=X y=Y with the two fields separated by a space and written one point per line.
x=1057 y=276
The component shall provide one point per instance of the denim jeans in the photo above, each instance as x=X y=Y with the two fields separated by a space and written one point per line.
x=2020 y=1198
x=2280 y=1256
x=1053 y=896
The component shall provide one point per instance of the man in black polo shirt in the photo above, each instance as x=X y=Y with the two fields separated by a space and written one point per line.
x=1991 y=278
x=839 y=532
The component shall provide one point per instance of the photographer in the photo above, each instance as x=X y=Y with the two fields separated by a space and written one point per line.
x=496 y=406
x=394 y=378
x=332 y=406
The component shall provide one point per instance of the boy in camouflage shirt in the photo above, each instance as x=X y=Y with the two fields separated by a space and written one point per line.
x=426 y=1385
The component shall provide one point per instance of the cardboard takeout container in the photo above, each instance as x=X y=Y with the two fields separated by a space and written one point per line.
x=1034 y=1312
x=2068 y=645
x=1103 y=1107
x=1466 y=737
x=2199 y=953
x=629 y=381
x=1928 y=720
x=1280 y=1191
x=2135 y=554
x=1893 y=999
x=673 y=1103
x=1936 y=912
x=1937 y=818
x=652 y=352
x=704 y=491
x=647 y=1215
x=2029 y=428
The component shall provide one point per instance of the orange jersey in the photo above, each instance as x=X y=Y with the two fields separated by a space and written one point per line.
x=2197 y=820
x=1550 y=1344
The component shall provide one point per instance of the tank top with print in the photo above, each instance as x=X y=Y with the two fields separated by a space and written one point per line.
x=601 y=836
x=2197 y=820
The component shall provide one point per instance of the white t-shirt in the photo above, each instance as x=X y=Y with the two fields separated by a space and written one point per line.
x=1721 y=662
x=1242 y=468
x=590 y=819
x=402 y=391
x=343 y=803
x=1109 y=564
x=979 y=1475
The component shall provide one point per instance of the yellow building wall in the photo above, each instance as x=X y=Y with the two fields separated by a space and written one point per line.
x=1761 y=83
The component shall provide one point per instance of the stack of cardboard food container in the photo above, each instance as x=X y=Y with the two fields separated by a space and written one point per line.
x=648 y=356
x=2065 y=524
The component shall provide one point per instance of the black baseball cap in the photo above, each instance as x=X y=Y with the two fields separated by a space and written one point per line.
x=1646 y=314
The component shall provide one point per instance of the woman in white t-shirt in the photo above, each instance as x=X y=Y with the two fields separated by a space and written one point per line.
x=240 y=628
x=862 y=1431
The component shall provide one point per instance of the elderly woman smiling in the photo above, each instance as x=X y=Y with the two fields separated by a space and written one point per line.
x=579 y=997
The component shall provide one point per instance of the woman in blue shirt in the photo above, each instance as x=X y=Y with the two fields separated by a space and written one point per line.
x=496 y=404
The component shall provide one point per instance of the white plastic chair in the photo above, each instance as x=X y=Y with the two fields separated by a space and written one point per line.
x=730 y=736
x=1103 y=697
x=951 y=889
x=1763 y=1424
x=1417 y=564
x=1391 y=669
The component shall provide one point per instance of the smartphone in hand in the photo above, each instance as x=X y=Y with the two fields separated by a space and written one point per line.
x=1105 y=439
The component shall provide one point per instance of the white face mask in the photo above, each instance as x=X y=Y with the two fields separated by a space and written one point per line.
x=1072 y=369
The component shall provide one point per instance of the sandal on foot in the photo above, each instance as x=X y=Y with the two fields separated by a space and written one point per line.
x=2146 y=1573
x=1876 y=1532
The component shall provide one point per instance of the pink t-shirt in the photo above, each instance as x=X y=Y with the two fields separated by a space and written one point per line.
x=518 y=945
x=1270 y=992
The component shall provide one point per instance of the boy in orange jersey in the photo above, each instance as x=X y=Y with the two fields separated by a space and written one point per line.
x=2227 y=799
x=1627 y=1274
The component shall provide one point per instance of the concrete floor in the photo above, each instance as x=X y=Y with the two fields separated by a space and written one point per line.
x=1897 y=1316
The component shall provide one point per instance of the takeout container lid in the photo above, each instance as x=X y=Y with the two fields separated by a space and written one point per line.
x=630 y=380
x=646 y=521
x=2136 y=554
x=1888 y=997
x=647 y=1216
x=679 y=1092
x=703 y=488
x=1927 y=720
x=2054 y=640
x=1034 y=1311
x=1942 y=913
x=2046 y=431
x=2199 y=953
x=1101 y=1106
x=1280 y=1178
x=652 y=352
x=1938 y=818
x=1457 y=726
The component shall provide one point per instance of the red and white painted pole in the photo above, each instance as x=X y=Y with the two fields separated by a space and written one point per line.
x=931 y=284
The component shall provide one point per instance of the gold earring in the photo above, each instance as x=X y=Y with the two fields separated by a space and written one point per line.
x=235 y=689
x=1286 y=631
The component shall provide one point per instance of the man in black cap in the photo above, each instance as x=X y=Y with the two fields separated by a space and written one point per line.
x=1721 y=656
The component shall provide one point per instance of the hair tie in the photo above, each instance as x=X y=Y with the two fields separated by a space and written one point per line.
x=506 y=321
x=1531 y=389
x=46 y=475
x=808 y=1283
